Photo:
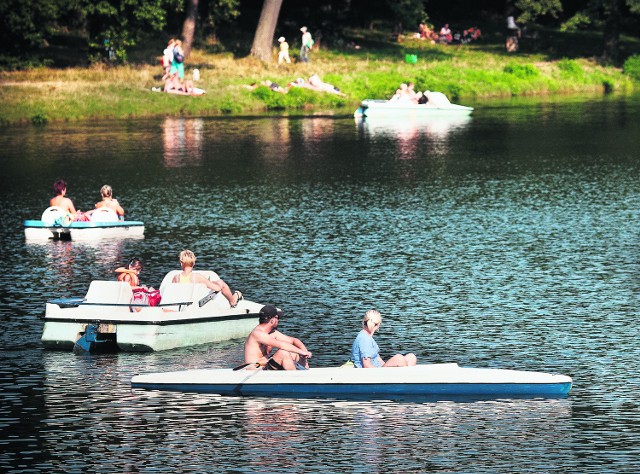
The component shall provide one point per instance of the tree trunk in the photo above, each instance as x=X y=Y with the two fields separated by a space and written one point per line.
x=189 y=26
x=611 y=31
x=262 y=47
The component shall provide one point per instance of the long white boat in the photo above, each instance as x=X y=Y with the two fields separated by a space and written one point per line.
x=435 y=381
x=105 y=319
x=103 y=224
x=404 y=109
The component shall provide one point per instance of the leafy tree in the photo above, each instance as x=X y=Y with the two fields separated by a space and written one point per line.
x=114 y=25
x=27 y=23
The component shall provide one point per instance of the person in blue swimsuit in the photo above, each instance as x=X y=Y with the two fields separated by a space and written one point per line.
x=365 y=352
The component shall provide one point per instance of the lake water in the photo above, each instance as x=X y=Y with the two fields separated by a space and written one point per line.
x=507 y=240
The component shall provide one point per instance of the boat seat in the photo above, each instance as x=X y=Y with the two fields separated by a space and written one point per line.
x=109 y=292
x=52 y=213
x=182 y=293
x=104 y=214
x=209 y=275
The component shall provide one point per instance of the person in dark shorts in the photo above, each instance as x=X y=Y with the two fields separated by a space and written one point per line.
x=291 y=353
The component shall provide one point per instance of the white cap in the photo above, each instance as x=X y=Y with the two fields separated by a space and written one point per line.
x=303 y=29
x=281 y=39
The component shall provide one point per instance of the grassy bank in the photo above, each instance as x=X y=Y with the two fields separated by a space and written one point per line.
x=463 y=72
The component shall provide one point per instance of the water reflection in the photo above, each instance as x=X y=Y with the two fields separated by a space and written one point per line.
x=436 y=131
x=182 y=141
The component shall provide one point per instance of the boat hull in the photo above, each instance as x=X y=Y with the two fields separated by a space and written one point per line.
x=83 y=231
x=188 y=315
x=384 y=108
x=436 y=381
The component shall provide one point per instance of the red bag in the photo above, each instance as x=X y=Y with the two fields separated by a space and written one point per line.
x=146 y=296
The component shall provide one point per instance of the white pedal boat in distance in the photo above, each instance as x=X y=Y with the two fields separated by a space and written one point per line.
x=103 y=224
x=433 y=381
x=438 y=106
x=188 y=315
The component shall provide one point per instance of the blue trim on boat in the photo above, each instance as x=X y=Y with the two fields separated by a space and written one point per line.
x=543 y=390
x=82 y=225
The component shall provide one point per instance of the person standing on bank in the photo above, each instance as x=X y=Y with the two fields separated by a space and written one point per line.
x=365 y=352
x=307 y=44
x=290 y=352
x=283 y=55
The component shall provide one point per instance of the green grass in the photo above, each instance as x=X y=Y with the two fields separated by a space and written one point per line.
x=469 y=72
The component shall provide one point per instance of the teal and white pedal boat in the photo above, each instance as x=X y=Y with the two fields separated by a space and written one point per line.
x=429 y=382
x=405 y=109
x=106 y=320
x=103 y=224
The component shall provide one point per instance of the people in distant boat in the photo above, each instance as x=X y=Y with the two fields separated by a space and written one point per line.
x=187 y=262
x=131 y=273
x=109 y=202
x=436 y=99
x=405 y=93
x=60 y=200
x=365 y=352
x=291 y=353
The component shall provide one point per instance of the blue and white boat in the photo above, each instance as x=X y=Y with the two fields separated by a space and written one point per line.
x=433 y=381
x=103 y=224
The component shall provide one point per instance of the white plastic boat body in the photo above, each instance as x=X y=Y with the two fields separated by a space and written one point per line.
x=179 y=321
x=399 y=108
x=434 y=381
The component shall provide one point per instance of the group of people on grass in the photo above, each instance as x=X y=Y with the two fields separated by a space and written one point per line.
x=173 y=71
x=446 y=36
x=266 y=347
x=314 y=83
x=61 y=200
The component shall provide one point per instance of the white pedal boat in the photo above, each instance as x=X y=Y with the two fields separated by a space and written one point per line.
x=435 y=381
x=187 y=315
x=103 y=224
x=403 y=108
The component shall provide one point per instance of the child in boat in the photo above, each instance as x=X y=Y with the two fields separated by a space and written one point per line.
x=365 y=351
x=131 y=272
x=187 y=262
x=142 y=295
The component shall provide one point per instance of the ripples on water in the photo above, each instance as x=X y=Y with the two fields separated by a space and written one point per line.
x=506 y=240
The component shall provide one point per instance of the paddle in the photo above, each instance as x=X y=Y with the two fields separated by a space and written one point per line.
x=256 y=363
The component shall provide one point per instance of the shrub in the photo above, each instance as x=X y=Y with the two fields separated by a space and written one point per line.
x=570 y=67
x=523 y=71
x=632 y=67
x=39 y=119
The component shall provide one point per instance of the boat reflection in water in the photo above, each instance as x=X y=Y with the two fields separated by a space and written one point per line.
x=415 y=136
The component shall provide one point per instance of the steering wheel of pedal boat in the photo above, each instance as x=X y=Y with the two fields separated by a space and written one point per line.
x=104 y=214
x=52 y=213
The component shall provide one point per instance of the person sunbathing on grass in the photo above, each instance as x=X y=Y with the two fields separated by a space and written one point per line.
x=187 y=262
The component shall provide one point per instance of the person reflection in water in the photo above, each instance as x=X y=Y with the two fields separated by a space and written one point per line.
x=291 y=353
x=365 y=352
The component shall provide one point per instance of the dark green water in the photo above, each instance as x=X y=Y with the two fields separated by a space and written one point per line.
x=509 y=240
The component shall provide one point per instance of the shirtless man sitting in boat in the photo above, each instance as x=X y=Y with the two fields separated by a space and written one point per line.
x=59 y=200
x=265 y=337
